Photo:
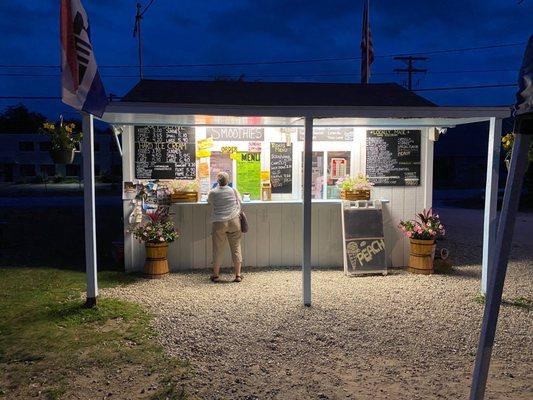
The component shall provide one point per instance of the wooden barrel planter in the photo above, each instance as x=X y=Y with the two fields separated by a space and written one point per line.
x=355 y=195
x=156 y=264
x=421 y=256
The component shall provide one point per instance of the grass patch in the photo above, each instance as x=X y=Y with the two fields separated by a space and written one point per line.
x=520 y=301
x=52 y=347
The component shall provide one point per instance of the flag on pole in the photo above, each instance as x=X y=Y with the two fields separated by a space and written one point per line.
x=367 y=48
x=524 y=96
x=82 y=87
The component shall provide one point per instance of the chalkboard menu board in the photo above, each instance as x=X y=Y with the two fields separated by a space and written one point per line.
x=165 y=152
x=393 y=157
x=281 y=167
x=364 y=242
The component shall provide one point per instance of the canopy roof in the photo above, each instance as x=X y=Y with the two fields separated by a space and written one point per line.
x=232 y=103
x=273 y=93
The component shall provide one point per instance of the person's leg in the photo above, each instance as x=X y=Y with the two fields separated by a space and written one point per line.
x=234 y=238
x=219 y=237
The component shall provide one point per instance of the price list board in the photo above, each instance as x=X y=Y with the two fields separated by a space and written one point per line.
x=165 y=152
x=393 y=157
x=281 y=167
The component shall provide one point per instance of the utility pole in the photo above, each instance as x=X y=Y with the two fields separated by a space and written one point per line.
x=410 y=70
x=137 y=33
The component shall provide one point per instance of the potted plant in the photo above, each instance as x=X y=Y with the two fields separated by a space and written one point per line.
x=184 y=191
x=507 y=143
x=64 y=141
x=357 y=188
x=156 y=234
x=422 y=232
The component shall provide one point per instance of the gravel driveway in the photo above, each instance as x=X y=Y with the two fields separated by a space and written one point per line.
x=401 y=336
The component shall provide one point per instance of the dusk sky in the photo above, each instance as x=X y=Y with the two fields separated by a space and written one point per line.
x=240 y=31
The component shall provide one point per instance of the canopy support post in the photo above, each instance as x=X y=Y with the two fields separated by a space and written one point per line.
x=490 y=223
x=306 y=261
x=501 y=253
x=89 y=209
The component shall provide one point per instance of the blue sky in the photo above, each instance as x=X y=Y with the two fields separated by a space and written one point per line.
x=213 y=31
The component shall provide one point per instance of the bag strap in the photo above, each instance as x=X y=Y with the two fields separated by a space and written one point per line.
x=237 y=201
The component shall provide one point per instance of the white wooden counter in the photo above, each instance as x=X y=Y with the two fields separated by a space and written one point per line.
x=274 y=237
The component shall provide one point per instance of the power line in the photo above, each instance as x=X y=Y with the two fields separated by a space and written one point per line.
x=274 y=62
x=466 y=87
x=266 y=75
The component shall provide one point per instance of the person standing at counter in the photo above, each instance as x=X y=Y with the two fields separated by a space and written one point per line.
x=226 y=225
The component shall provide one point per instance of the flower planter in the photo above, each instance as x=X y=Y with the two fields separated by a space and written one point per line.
x=62 y=156
x=184 y=197
x=156 y=264
x=421 y=256
x=355 y=194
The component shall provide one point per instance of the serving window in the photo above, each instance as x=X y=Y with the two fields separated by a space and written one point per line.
x=269 y=160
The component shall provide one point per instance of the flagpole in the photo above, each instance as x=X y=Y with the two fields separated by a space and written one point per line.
x=367 y=36
x=89 y=210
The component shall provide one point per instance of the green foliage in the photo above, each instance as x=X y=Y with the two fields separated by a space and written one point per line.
x=62 y=135
x=159 y=229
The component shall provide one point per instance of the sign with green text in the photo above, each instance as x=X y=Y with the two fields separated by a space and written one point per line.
x=249 y=174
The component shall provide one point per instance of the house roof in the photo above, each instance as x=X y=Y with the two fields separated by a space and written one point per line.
x=273 y=94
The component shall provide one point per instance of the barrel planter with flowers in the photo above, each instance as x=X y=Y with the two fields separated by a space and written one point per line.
x=356 y=188
x=156 y=234
x=422 y=233
x=63 y=139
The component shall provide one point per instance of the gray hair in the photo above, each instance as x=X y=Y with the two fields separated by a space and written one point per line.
x=222 y=178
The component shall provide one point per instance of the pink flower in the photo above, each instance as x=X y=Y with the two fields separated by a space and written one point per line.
x=409 y=234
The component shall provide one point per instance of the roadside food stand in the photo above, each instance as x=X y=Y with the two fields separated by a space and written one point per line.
x=275 y=130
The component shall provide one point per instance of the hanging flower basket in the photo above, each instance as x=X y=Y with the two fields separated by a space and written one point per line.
x=62 y=156
x=63 y=139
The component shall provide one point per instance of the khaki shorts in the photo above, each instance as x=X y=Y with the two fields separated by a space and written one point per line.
x=232 y=231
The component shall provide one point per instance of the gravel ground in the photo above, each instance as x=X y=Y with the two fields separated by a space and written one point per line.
x=401 y=336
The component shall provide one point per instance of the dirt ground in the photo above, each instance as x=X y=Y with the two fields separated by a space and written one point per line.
x=401 y=336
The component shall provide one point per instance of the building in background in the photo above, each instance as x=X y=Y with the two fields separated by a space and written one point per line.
x=25 y=158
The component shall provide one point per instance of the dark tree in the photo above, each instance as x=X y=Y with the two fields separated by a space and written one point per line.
x=18 y=119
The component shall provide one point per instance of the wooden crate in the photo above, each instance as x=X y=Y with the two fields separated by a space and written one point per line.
x=355 y=195
x=184 y=197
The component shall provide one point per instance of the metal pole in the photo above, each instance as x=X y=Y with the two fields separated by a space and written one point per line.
x=490 y=223
x=138 y=18
x=306 y=217
x=89 y=210
x=506 y=224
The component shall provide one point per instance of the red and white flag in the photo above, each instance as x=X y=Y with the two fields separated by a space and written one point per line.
x=367 y=48
x=82 y=87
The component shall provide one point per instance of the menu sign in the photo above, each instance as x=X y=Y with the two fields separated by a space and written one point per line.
x=236 y=134
x=165 y=152
x=327 y=134
x=249 y=174
x=393 y=157
x=281 y=167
